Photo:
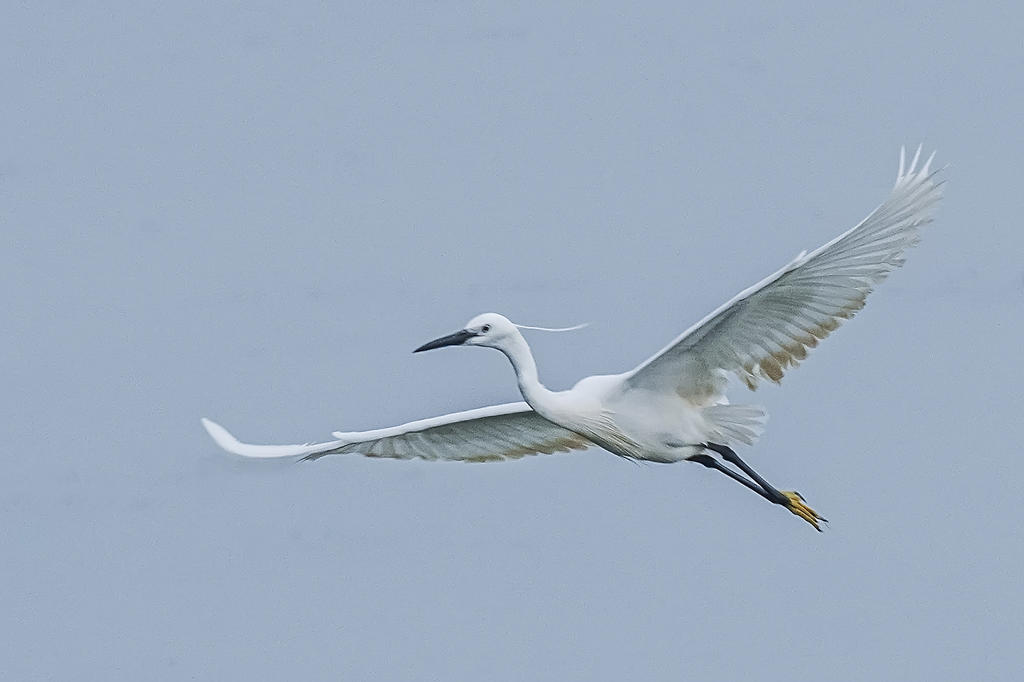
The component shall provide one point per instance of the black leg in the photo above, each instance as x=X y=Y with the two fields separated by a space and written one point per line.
x=729 y=455
x=712 y=463
x=792 y=501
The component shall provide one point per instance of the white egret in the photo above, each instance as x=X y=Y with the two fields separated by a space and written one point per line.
x=673 y=406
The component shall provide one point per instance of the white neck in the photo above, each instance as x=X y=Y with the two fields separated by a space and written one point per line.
x=518 y=352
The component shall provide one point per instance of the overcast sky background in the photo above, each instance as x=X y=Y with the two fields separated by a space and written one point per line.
x=254 y=212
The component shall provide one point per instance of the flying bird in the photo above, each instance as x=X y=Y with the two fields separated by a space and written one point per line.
x=673 y=406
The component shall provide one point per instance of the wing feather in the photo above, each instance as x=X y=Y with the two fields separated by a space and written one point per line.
x=488 y=434
x=771 y=326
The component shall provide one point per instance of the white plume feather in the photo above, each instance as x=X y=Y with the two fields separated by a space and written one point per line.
x=553 y=329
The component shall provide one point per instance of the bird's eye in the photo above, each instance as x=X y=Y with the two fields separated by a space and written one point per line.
x=486 y=328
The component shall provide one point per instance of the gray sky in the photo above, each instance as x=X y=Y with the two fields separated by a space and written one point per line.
x=256 y=212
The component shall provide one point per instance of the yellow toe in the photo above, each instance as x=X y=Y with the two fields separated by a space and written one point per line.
x=797 y=505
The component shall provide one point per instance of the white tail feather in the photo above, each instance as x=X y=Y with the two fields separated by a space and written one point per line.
x=736 y=423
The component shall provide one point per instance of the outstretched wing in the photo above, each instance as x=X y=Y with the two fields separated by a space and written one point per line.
x=487 y=434
x=770 y=327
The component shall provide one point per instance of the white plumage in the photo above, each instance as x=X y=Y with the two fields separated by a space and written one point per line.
x=672 y=405
x=485 y=434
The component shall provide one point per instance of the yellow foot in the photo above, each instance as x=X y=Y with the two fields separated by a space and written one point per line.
x=797 y=505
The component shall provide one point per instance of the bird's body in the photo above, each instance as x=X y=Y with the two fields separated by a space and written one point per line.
x=633 y=423
x=673 y=407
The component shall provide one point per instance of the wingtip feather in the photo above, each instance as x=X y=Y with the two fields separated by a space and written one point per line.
x=917 y=157
x=223 y=438
x=219 y=434
x=928 y=163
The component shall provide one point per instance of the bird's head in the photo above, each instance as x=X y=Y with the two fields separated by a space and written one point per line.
x=488 y=329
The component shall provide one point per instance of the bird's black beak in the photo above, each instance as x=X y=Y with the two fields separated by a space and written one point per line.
x=457 y=339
